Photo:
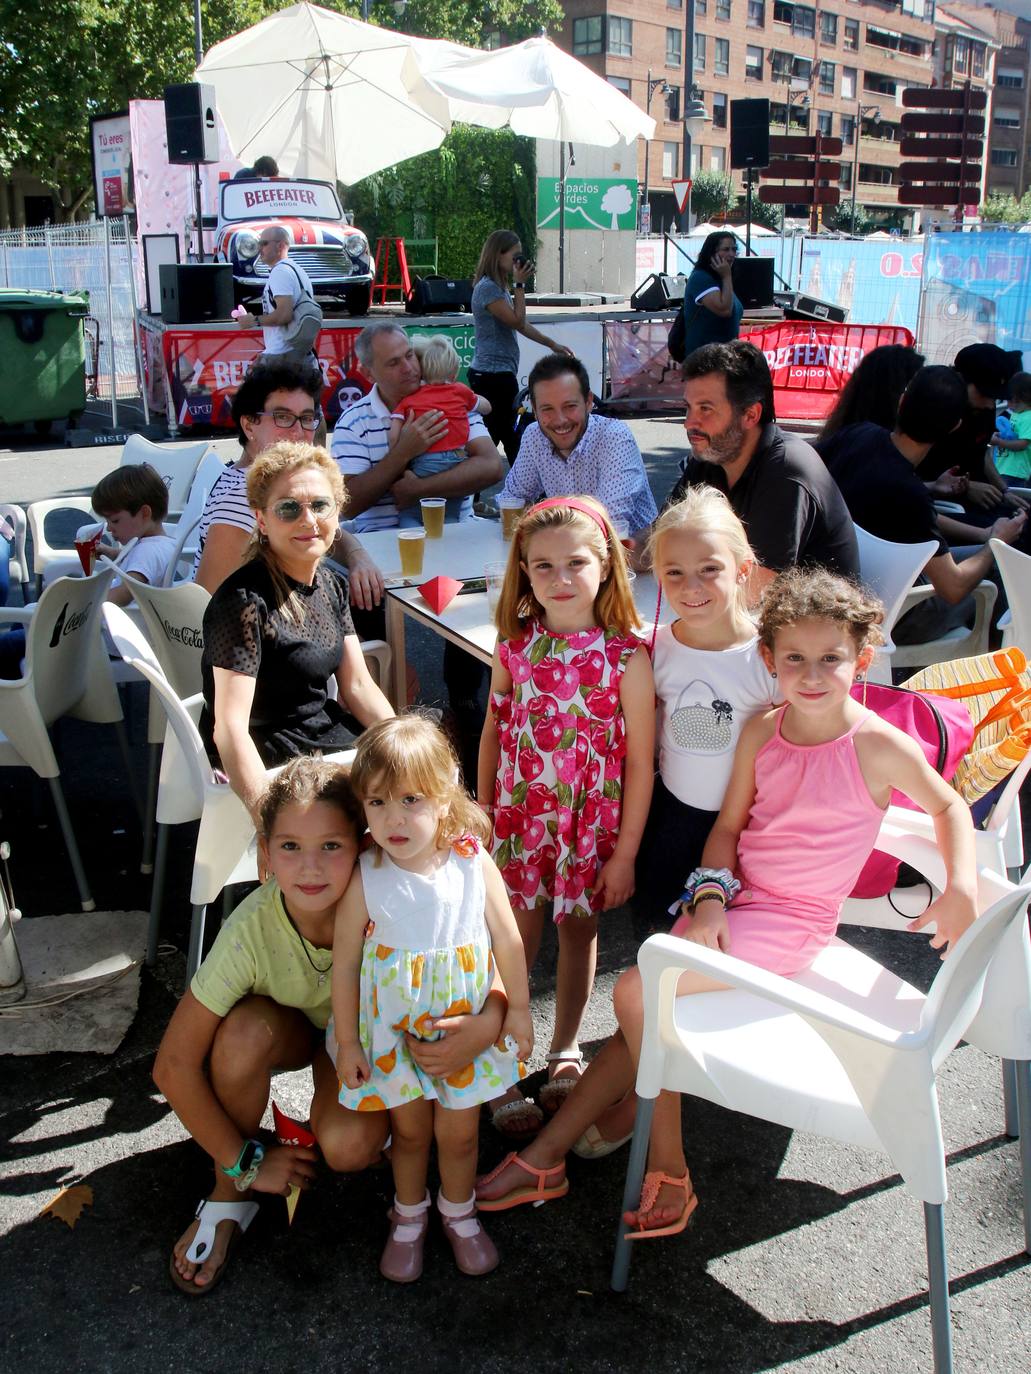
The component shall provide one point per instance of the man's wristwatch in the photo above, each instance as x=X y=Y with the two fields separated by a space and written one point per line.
x=248 y=1162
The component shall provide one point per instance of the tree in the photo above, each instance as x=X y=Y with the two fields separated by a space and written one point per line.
x=1005 y=209
x=839 y=218
x=766 y=215
x=711 y=193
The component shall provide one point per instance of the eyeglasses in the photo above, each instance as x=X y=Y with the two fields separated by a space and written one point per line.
x=288 y=511
x=286 y=419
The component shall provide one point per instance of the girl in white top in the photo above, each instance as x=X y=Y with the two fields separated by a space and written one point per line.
x=417 y=935
x=709 y=680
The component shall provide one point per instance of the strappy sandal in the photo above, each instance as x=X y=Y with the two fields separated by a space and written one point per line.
x=537 y=1192
x=653 y=1181
x=555 y=1091
x=209 y=1214
x=507 y=1117
x=593 y=1145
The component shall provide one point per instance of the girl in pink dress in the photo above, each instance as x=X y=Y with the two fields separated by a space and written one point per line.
x=809 y=787
x=566 y=755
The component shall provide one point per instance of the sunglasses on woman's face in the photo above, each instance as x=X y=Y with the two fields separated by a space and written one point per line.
x=288 y=511
x=286 y=419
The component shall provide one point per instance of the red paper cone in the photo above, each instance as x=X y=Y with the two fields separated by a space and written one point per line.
x=439 y=592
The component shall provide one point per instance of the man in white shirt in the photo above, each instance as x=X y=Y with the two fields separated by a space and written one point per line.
x=285 y=287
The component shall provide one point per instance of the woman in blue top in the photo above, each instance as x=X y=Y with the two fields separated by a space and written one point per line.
x=499 y=315
x=712 y=313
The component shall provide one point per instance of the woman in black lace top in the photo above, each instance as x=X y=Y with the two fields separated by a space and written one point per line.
x=279 y=627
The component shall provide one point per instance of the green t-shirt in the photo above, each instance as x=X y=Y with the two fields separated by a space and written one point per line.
x=1016 y=464
x=258 y=951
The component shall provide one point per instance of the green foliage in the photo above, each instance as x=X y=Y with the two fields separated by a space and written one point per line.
x=766 y=215
x=466 y=21
x=839 y=218
x=712 y=193
x=478 y=180
x=1006 y=209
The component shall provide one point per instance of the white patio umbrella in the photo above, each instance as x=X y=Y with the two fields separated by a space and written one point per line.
x=326 y=95
x=535 y=89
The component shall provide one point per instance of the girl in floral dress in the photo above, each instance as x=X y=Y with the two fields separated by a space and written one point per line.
x=566 y=756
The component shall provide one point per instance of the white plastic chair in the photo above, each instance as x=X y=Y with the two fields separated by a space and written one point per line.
x=175 y=464
x=43 y=552
x=18 y=564
x=960 y=642
x=188 y=790
x=1015 y=571
x=846 y=1050
x=890 y=570
x=181 y=562
x=66 y=674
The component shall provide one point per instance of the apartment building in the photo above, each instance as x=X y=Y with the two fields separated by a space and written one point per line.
x=839 y=66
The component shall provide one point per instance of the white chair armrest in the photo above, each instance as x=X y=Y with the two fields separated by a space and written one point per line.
x=17 y=615
x=949 y=508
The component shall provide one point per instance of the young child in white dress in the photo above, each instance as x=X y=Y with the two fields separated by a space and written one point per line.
x=418 y=933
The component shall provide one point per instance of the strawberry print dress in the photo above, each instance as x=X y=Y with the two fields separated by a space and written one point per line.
x=562 y=744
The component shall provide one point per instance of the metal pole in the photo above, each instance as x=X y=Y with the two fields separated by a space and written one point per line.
x=814 y=213
x=50 y=257
x=137 y=341
x=198 y=210
x=110 y=322
x=647 y=146
x=567 y=162
x=198 y=34
x=856 y=133
x=366 y=5
x=685 y=171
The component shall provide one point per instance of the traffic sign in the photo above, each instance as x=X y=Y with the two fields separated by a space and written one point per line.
x=803 y=169
x=799 y=195
x=940 y=171
x=789 y=145
x=956 y=123
x=920 y=146
x=933 y=98
x=939 y=195
x=682 y=191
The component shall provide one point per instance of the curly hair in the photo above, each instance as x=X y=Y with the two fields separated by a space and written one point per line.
x=410 y=753
x=614 y=607
x=816 y=594
x=309 y=779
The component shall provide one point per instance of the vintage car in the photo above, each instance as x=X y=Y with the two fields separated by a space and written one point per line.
x=333 y=252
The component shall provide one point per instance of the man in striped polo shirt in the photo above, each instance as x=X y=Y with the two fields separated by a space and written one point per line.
x=377 y=476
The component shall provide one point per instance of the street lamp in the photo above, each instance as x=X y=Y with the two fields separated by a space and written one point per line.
x=861 y=112
x=659 y=83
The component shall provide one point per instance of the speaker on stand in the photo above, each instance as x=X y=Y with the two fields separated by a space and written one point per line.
x=749 y=148
x=192 y=136
x=660 y=291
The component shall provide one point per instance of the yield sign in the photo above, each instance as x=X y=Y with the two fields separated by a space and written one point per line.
x=681 y=189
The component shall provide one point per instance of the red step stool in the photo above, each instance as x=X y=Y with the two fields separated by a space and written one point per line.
x=391 y=253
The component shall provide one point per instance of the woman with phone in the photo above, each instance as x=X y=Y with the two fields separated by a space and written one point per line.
x=712 y=313
x=499 y=315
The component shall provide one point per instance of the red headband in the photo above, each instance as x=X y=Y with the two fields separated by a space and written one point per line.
x=576 y=504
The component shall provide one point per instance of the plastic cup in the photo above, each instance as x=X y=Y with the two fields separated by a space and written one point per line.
x=433 y=516
x=494 y=576
x=511 y=508
x=411 y=545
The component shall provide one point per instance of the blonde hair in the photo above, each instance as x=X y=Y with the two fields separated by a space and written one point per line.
x=309 y=779
x=500 y=241
x=410 y=753
x=437 y=357
x=705 y=510
x=816 y=594
x=282 y=460
x=614 y=606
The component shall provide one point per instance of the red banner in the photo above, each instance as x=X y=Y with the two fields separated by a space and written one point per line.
x=205 y=367
x=810 y=363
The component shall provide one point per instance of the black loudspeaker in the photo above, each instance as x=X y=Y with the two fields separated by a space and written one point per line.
x=190 y=123
x=752 y=279
x=659 y=292
x=196 y=291
x=799 y=307
x=749 y=133
x=439 y=296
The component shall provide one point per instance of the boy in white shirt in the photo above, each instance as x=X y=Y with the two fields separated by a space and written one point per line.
x=134 y=501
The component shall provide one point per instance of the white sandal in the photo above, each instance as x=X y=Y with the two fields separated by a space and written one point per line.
x=209 y=1214
x=555 y=1091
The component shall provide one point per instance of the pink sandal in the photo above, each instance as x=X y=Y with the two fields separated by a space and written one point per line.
x=653 y=1181
x=536 y=1193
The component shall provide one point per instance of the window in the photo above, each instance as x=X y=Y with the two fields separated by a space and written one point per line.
x=718 y=102
x=621 y=83
x=621 y=33
x=723 y=10
x=828 y=28
x=1004 y=157
x=674 y=48
x=961 y=54
x=848 y=129
x=674 y=4
x=756 y=14
x=1006 y=117
x=979 y=59
x=824 y=123
x=803 y=21
x=753 y=63
x=721 y=59
x=876 y=176
x=826 y=78
x=851 y=36
x=588 y=36
x=701 y=8
x=877 y=84
x=1010 y=77
x=699 y=52
x=848 y=83
x=670 y=160
x=780 y=66
x=717 y=159
x=845 y=180
x=671 y=102
x=801 y=70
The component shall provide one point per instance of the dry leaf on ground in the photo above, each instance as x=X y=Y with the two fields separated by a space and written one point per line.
x=69 y=1202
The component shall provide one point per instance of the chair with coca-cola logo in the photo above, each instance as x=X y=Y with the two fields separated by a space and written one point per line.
x=65 y=674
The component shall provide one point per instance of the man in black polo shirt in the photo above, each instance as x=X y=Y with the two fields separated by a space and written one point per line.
x=876 y=473
x=791 y=509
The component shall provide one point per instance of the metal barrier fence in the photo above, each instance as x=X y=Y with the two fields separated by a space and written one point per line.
x=97 y=257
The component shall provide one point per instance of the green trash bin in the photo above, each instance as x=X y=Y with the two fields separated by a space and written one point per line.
x=43 y=377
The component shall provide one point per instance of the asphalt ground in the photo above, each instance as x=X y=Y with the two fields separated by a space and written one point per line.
x=802 y=1254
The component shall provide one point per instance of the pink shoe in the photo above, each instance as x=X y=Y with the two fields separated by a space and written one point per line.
x=401 y=1261
x=475 y=1252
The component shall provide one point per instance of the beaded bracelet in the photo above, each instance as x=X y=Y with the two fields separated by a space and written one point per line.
x=703 y=883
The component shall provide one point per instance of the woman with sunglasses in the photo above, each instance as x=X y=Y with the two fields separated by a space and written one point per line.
x=279 y=627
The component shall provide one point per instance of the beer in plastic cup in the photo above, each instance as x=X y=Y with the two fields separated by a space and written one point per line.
x=494 y=576
x=411 y=545
x=433 y=516
x=511 y=508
